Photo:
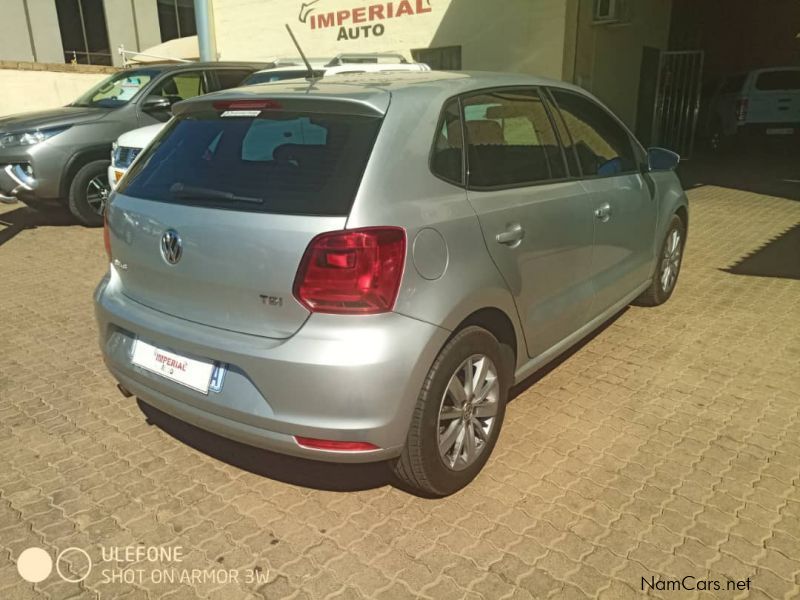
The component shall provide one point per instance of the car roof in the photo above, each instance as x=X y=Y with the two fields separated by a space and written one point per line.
x=374 y=89
x=195 y=65
x=282 y=68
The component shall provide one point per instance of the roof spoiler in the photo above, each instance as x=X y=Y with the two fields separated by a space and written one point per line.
x=251 y=104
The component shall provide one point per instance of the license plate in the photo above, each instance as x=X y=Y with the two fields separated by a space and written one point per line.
x=780 y=131
x=193 y=373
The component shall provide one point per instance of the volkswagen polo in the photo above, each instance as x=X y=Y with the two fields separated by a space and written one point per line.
x=359 y=269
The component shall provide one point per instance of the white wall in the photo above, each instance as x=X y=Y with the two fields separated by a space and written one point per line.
x=25 y=91
x=46 y=36
x=509 y=35
x=15 y=41
x=608 y=58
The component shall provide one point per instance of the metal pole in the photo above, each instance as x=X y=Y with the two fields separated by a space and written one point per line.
x=204 y=16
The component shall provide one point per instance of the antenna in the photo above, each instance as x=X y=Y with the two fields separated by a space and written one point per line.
x=302 y=55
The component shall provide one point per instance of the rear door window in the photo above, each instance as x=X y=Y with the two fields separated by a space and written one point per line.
x=230 y=78
x=181 y=86
x=602 y=145
x=278 y=162
x=447 y=160
x=510 y=140
x=778 y=80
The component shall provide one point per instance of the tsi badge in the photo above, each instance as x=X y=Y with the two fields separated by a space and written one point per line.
x=171 y=246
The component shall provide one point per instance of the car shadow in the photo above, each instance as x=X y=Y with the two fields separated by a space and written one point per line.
x=524 y=385
x=770 y=170
x=335 y=477
x=18 y=220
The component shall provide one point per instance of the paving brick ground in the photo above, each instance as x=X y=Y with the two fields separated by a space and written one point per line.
x=666 y=446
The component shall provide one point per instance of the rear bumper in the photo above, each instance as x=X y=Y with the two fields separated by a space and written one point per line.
x=769 y=130
x=338 y=378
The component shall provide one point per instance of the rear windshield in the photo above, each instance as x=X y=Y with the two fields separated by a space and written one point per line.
x=278 y=162
x=779 y=80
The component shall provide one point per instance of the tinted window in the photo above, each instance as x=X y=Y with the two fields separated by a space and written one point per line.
x=229 y=78
x=278 y=162
x=510 y=140
x=603 y=147
x=448 y=148
x=563 y=134
x=181 y=86
x=778 y=80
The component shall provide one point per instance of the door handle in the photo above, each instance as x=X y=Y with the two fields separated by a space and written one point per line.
x=603 y=212
x=511 y=236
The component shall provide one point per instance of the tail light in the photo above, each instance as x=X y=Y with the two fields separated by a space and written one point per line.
x=335 y=445
x=741 y=109
x=247 y=105
x=357 y=271
x=106 y=237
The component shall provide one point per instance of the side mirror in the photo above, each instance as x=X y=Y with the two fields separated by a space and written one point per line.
x=661 y=159
x=156 y=103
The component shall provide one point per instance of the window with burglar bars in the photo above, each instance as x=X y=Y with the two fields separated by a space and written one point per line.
x=84 y=36
x=176 y=19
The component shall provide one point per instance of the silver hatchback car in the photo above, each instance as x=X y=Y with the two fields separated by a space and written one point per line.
x=359 y=269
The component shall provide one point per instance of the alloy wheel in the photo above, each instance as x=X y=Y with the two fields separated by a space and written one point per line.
x=97 y=191
x=671 y=261
x=468 y=411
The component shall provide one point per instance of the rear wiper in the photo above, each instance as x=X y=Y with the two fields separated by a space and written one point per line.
x=180 y=190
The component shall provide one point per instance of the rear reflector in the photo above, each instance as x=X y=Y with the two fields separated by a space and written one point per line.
x=334 y=445
x=356 y=271
x=741 y=109
x=246 y=105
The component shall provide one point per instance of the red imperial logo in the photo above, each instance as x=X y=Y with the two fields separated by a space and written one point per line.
x=363 y=20
x=170 y=362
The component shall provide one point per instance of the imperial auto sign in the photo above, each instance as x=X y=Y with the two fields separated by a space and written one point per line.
x=360 y=21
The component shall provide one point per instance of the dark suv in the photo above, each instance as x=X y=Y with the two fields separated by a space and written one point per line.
x=62 y=155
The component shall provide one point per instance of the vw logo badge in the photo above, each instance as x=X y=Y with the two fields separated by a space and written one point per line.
x=171 y=246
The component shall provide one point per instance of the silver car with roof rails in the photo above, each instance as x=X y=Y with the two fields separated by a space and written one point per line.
x=359 y=269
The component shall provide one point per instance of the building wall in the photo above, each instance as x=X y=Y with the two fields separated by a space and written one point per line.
x=121 y=28
x=147 y=24
x=512 y=35
x=133 y=23
x=15 y=42
x=28 y=89
x=44 y=27
x=608 y=58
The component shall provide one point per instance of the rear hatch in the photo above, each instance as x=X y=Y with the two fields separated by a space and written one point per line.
x=775 y=97
x=211 y=223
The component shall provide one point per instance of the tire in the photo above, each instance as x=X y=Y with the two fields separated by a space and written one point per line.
x=422 y=467
x=659 y=292
x=86 y=206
